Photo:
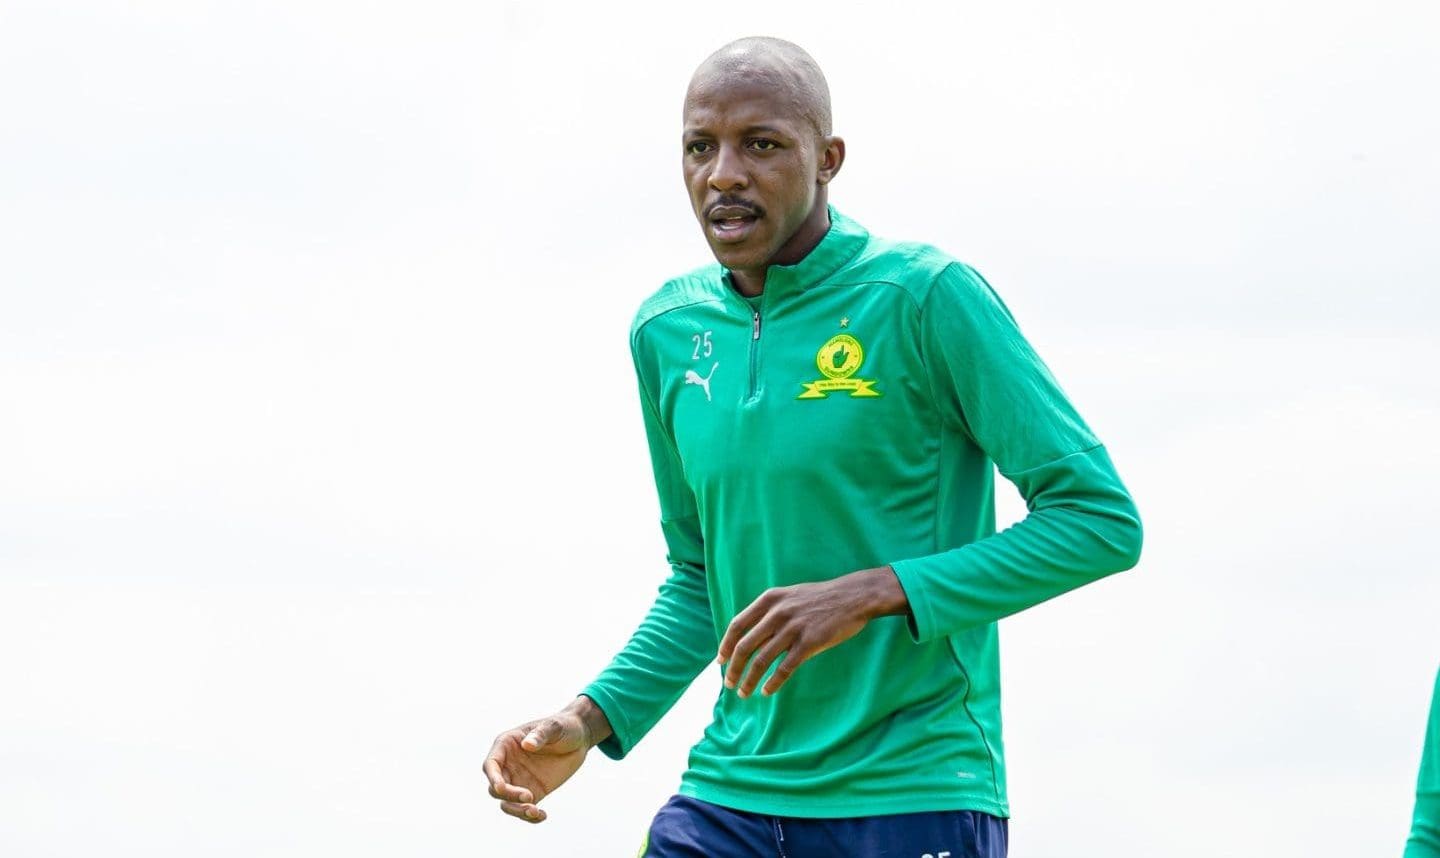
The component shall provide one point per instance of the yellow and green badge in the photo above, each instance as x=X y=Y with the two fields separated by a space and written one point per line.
x=838 y=360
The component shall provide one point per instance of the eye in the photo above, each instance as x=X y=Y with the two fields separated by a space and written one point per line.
x=697 y=147
x=762 y=145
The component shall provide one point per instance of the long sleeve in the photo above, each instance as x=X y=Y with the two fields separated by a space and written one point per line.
x=992 y=388
x=676 y=640
x=1424 y=839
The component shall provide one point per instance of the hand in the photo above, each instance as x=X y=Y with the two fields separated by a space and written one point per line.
x=531 y=761
x=804 y=621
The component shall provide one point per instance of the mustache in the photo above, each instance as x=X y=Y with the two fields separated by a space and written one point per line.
x=734 y=202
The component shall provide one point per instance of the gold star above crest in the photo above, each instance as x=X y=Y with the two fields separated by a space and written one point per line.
x=844 y=321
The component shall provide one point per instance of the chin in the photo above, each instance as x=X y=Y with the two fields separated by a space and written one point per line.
x=739 y=258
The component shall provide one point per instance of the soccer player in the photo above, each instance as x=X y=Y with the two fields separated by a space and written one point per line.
x=1425 y=829
x=825 y=410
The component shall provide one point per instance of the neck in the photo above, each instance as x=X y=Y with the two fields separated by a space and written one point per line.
x=751 y=281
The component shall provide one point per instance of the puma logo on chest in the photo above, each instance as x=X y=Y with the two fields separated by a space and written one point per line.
x=693 y=377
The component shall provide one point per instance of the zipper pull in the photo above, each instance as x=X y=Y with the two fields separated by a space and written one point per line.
x=756 y=334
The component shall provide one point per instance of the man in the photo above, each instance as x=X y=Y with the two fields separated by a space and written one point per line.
x=1424 y=839
x=823 y=411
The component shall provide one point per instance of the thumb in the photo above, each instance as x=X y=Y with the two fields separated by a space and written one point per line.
x=541 y=734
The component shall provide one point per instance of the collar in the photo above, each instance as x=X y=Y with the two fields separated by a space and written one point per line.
x=842 y=243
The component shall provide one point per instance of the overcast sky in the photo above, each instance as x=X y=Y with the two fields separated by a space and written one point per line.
x=321 y=461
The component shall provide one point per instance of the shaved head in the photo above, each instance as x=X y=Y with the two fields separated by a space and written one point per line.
x=758 y=156
x=781 y=66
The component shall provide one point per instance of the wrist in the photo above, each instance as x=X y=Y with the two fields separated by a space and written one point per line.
x=882 y=595
x=592 y=718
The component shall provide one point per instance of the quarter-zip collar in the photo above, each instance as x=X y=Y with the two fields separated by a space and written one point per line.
x=842 y=242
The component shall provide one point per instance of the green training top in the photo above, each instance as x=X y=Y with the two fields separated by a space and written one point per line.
x=1425 y=830
x=847 y=421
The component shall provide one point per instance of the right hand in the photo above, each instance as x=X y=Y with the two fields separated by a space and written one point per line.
x=532 y=760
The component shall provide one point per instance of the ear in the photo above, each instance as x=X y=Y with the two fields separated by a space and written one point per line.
x=832 y=155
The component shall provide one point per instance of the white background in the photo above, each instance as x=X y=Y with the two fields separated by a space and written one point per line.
x=321 y=462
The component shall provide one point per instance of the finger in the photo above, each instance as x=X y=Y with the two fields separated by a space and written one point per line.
x=510 y=792
x=738 y=626
x=752 y=641
x=797 y=656
x=753 y=615
x=500 y=786
x=491 y=768
x=523 y=810
x=762 y=660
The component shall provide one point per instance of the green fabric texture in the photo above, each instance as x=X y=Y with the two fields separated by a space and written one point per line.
x=1424 y=839
x=855 y=419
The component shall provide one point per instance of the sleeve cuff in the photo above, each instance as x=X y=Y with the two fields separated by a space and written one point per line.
x=621 y=741
x=921 y=619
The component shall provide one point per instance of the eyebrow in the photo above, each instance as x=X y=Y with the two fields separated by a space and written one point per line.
x=749 y=129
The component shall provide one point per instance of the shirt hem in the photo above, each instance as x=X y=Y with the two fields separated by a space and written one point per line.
x=841 y=808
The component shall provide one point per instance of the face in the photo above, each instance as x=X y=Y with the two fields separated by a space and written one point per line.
x=754 y=166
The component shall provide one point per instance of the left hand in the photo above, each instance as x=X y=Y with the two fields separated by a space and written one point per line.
x=803 y=621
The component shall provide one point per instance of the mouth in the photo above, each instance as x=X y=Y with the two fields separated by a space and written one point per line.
x=732 y=224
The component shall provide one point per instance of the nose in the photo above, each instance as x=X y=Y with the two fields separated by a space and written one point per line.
x=727 y=172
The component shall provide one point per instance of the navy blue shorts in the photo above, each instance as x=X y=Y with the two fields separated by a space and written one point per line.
x=687 y=828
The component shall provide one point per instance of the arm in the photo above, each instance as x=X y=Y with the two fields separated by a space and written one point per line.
x=676 y=639
x=989 y=385
x=669 y=649
x=1424 y=839
x=1082 y=525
